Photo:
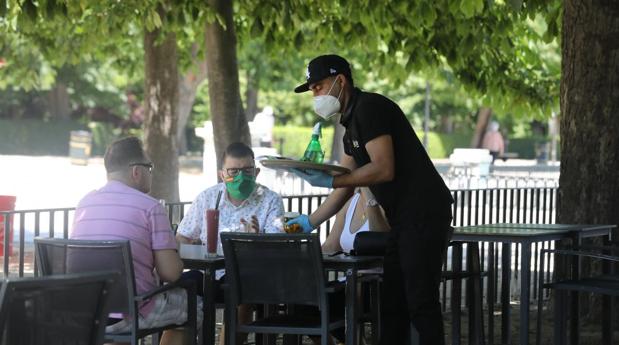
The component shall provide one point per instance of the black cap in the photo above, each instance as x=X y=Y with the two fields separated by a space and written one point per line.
x=322 y=67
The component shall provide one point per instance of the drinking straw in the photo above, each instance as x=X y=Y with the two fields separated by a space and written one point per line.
x=217 y=202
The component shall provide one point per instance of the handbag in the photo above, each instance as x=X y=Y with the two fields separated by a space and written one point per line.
x=370 y=243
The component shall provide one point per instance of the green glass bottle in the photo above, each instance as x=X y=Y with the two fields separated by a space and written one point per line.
x=313 y=152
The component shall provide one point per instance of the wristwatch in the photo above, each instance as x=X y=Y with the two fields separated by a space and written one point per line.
x=371 y=203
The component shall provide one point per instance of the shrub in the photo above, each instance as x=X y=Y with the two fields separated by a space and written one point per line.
x=35 y=137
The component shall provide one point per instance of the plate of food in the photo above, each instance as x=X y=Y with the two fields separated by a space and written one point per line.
x=288 y=164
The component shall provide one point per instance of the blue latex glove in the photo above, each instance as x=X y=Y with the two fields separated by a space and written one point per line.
x=303 y=221
x=316 y=178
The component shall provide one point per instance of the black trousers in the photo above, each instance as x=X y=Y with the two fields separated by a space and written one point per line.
x=412 y=274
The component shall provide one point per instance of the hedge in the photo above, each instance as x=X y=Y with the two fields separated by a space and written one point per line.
x=36 y=137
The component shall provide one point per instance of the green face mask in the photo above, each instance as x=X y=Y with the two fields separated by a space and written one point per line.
x=241 y=186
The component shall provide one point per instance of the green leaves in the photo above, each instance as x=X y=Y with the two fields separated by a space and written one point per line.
x=257 y=28
x=428 y=13
x=516 y=5
x=489 y=46
x=471 y=7
x=152 y=20
x=3 y=8
x=30 y=9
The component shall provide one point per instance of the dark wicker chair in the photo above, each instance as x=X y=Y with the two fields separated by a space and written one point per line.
x=60 y=256
x=274 y=269
x=64 y=309
x=606 y=284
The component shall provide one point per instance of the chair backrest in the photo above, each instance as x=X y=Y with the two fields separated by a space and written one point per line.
x=67 y=309
x=274 y=268
x=60 y=256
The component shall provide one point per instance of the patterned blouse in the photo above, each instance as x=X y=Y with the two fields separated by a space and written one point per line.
x=265 y=204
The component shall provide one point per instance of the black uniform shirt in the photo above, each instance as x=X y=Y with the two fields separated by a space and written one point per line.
x=417 y=191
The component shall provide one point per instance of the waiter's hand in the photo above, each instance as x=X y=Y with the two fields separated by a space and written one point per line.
x=316 y=178
x=303 y=221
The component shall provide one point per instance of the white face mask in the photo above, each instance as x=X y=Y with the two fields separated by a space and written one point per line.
x=326 y=105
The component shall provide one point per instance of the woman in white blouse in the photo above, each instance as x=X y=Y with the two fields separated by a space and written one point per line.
x=360 y=213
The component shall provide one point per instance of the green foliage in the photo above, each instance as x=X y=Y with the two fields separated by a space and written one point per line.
x=40 y=137
x=201 y=110
x=296 y=138
x=103 y=134
x=493 y=48
x=502 y=54
x=36 y=137
x=527 y=148
x=441 y=145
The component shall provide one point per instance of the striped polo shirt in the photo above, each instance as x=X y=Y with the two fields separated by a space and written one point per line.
x=119 y=212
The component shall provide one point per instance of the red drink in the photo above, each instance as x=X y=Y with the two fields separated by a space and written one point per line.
x=212 y=231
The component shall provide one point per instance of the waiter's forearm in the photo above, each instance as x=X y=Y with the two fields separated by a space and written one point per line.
x=334 y=202
x=367 y=175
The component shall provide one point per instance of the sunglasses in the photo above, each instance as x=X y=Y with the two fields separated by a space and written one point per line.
x=148 y=166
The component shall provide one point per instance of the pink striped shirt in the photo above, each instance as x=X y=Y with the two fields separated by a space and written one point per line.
x=119 y=212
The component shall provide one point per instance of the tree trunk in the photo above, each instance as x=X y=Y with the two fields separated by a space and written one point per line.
x=229 y=123
x=187 y=88
x=483 y=117
x=251 y=94
x=447 y=124
x=161 y=118
x=589 y=182
x=58 y=101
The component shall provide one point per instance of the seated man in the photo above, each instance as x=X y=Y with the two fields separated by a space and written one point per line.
x=243 y=206
x=121 y=210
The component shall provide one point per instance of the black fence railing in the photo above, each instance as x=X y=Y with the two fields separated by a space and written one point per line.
x=471 y=207
x=505 y=205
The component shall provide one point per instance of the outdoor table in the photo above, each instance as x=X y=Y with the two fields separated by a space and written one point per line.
x=525 y=235
x=351 y=265
x=194 y=257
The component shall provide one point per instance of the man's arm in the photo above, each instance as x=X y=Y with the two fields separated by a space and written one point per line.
x=168 y=264
x=184 y=240
x=336 y=200
x=381 y=167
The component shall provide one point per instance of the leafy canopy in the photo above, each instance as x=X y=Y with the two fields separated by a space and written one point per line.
x=505 y=52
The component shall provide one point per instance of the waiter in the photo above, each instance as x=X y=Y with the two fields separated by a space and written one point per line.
x=384 y=153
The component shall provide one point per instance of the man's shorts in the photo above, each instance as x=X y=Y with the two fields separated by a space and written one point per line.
x=169 y=308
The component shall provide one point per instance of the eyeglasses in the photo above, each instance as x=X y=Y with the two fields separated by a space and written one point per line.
x=148 y=166
x=246 y=171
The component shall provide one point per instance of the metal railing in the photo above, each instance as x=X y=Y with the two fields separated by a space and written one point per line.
x=471 y=207
x=505 y=205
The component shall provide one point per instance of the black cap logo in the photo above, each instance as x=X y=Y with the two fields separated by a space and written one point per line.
x=322 y=67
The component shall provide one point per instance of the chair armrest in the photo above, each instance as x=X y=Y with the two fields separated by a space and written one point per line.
x=611 y=249
x=580 y=253
x=186 y=284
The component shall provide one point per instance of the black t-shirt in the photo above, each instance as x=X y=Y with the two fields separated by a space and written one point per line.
x=417 y=192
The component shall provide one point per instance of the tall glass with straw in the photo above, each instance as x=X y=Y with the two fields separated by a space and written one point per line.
x=212 y=228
